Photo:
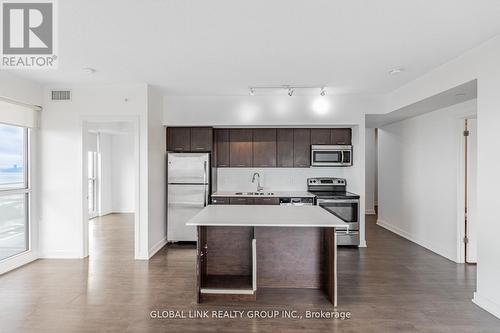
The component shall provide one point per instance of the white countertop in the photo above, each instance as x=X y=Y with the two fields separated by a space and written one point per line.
x=275 y=194
x=266 y=216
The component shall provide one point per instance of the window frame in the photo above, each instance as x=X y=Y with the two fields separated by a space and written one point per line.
x=26 y=189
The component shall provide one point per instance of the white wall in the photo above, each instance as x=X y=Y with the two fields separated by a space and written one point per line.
x=370 y=170
x=63 y=205
x=481 y=63
x=122 y=174
x=157 y=186
x=269 y=110
x=25 y=91
x=420 y=162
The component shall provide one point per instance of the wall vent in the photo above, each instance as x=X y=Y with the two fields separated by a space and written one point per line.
x=61 y=95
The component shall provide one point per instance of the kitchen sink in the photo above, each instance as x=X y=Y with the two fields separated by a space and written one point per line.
x=254 y=193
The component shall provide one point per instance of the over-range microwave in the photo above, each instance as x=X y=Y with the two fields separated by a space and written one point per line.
x=331 y=155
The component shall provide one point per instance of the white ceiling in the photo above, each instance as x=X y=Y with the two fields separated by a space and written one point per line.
x=220 y=47
x=455 y=95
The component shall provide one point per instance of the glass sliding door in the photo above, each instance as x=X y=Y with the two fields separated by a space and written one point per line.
x=15 y=191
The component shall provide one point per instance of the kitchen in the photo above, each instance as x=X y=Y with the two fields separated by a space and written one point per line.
x=283 y=158
x=285 y=167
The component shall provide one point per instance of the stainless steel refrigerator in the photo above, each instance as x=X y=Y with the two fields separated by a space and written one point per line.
x=188 y=187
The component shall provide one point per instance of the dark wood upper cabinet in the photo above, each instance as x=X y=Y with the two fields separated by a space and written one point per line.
x=179 y=139
x=341 y=136
x=264 y=147
x=201 y=139
x=222 y=147
x=301 y=147
x=320 y=136
x=240 y=147
x=284 y=147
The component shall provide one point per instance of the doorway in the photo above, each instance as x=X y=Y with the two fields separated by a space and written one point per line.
x=111 y=216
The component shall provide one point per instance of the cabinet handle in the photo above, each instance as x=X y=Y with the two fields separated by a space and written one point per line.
x=199 y=148
x=178 y=148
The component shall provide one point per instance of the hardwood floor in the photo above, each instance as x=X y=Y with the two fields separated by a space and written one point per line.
x=391 y=286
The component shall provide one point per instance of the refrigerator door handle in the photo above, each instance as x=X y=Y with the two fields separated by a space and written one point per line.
x=205 y=195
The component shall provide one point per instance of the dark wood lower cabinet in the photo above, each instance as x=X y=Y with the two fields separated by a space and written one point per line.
x=267 y=201
x=220 y=201
x=234 y=262
x=241 y=201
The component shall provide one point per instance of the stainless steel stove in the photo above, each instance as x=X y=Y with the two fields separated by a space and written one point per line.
x=331 y=194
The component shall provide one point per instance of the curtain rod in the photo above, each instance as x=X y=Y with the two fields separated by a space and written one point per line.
x=26 y=105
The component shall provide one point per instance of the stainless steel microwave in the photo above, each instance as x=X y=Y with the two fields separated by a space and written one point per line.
x=330 y=156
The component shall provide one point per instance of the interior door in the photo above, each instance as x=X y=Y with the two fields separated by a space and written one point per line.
x=184 y=202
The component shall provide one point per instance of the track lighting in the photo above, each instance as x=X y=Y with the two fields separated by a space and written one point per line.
x=288 y=88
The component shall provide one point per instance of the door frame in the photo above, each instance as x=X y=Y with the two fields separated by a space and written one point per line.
x=461 y=189
x=140 y=224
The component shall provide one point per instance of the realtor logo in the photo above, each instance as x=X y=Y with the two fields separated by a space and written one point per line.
x=28 y=34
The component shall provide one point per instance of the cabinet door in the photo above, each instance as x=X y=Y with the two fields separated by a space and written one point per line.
x=264 y=147
x=220 y=201
x=284 y=148
x=266 y=201
x=240 y=147
x=320 y=136
x=222 y=147
x=301 y=148
x=341 y=136
x=241 y=201
x=201 y=139
x=179 y=139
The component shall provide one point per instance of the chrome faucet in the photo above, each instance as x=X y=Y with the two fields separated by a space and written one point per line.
x=259 y=188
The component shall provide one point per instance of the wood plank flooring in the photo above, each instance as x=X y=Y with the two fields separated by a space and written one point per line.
x=391 y=286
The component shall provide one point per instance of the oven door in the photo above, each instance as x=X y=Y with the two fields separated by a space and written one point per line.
x=345 y=209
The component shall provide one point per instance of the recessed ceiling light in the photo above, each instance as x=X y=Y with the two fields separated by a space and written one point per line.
x=89 y=70
x=396 y=70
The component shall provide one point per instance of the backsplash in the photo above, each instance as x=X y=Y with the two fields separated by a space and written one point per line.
x=274 y=179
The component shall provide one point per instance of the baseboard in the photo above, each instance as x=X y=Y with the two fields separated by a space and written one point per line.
x=487 y=304
x=60 y=255
x=370 y=212
x=17 y=261
x=404 y=234
x=157 y=247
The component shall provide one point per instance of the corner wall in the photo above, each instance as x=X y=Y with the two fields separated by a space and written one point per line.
x=419 y=174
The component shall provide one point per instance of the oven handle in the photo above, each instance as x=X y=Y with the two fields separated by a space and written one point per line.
x=336 y=201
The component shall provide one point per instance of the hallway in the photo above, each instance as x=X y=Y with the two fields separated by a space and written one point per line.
x=399 y=287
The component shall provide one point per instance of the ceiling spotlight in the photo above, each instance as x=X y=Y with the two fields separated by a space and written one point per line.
x=290 y=92
x=322 y=93
x=252 y=91
x=396 y=70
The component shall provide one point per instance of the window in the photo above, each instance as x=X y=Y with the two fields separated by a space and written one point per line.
x=15 y=190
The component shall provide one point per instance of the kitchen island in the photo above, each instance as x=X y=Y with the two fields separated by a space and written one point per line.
x=242 y=249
